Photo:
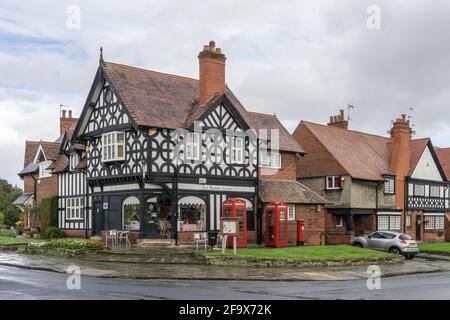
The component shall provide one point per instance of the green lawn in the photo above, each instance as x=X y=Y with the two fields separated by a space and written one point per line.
x=435 y=247
x=6 y=241
x=338 y=252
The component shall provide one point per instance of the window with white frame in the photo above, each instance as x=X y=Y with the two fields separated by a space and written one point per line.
x=75 y=208
x=74 y=161
x=237 y=150
x=389 y=185
x=193 y=145
x=435 y=191
x=434 y=222
x=388 y=222
x=408 y=221
x=113 y=146
x=44 y=172
x=419 y=190
x=333 y=182
x=291 y=212
x=270 y=159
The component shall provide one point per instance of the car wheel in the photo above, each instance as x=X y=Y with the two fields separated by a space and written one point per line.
x=395 y=250
x=357 y=244
x=409 y=256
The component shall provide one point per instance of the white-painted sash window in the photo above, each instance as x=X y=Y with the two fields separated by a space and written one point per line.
x=193 y=145
x=270 y=159
x=291 y=212
x=75 y=208
x=44 y=172
x=237 y=150
x=389 y=185
x=113 y=146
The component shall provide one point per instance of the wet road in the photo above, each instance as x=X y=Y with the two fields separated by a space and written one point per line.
x=26 y=284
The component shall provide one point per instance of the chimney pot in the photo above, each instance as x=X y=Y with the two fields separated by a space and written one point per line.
x=331 y=119
x=341 y=114
x=63 y=114
x=70 y=114
x=212 y=45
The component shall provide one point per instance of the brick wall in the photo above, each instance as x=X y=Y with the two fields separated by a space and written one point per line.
x=28 y=184
x=47 y=187
x=76 y=233
x=288 y=168
x=314 y=217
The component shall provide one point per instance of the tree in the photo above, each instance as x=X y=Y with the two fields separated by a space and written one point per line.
x=8 y=194
x=2 y=219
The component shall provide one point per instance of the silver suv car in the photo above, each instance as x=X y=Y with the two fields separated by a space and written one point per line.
x=389 y=241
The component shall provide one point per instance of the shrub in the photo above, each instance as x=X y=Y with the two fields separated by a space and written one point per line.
x=52 y=233
x=73 y=244
x=7 y=233
x=439 y=233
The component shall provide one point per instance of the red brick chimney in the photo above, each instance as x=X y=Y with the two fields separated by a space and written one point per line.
x=66 y=122
x=212 y=72
x=400 y=156
x=339 y=120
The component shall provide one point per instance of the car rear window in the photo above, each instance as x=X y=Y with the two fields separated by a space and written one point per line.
x=404 y=237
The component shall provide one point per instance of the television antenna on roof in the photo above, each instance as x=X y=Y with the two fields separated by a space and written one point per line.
x=349 y=107
x=410 y=119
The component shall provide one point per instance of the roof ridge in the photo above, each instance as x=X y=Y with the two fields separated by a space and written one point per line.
x=348 y=130
x=151 y=71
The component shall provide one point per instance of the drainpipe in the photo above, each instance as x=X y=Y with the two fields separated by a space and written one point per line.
x=376 y=202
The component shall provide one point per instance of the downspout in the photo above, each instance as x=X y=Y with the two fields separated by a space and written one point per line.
x=405 y=202
x=259 y=214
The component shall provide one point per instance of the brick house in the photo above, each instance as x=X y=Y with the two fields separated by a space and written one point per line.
x=443 y=155
x=129 y=129
x=39 y=182
x=365 y=175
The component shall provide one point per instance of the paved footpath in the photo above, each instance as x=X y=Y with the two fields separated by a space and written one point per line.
x=107 y=269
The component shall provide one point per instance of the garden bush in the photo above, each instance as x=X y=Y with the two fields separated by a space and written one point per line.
x=52 y=233
x=7 y=233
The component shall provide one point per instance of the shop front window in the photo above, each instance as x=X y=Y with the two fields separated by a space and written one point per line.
x=192 y=214
x=131 y=213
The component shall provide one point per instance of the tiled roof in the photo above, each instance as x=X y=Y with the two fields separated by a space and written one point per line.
x=30 y=168
x=23 y=198
x=31 y=148
x=60 y=164
x=416 y=150
x=443 y=155
x=266 y=121
x=362 y=155
x=163 y=100
x=288 y=191
x=50 y=149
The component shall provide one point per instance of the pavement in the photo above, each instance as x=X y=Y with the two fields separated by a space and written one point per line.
x=142 y=268
x=31 y=284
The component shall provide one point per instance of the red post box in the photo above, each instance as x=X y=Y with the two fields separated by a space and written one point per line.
x=276 y=217
x=236 y=208
x=300 y=232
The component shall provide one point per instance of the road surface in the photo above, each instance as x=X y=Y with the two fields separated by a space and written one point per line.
x=27 y=284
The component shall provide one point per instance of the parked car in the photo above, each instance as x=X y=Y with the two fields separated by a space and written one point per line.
x=389 y=241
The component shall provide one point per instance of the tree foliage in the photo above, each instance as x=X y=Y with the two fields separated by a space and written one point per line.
x=8 y=194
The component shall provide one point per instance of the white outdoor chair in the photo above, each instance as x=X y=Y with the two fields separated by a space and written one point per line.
x=201 y=237
x=123 y=238
x=112 y=236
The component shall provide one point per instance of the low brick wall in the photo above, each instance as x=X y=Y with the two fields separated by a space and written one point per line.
x=252 y=262
x=77 y=233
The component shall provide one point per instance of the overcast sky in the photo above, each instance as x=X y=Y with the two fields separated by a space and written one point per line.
x=303 y=60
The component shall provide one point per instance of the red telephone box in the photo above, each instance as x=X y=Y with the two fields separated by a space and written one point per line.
x=276 y=216
x=237 y=208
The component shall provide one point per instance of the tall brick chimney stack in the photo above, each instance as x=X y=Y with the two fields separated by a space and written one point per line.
x=212 y=72
x=400 y=156
x=339 y=120
x=65 y=122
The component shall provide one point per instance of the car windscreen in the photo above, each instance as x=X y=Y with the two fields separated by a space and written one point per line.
x=404 y=237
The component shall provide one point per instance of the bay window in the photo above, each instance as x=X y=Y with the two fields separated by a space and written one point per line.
x=113 y=146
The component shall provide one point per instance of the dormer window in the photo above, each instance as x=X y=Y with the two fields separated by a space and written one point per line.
x=44 y=172
x=113 y=146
